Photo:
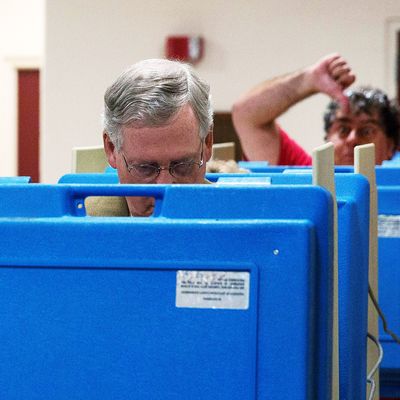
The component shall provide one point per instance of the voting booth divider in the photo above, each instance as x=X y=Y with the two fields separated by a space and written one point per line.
x=389 y=285
x=224 y=293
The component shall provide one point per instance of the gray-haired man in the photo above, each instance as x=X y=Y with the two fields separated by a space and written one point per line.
x=158 y=124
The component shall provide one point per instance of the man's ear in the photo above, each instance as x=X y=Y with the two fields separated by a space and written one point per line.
x=209 y=140
x=392 y=148
x=110 y=150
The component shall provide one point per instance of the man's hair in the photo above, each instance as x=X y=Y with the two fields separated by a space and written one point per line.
x=150 y=92
x=368 y=100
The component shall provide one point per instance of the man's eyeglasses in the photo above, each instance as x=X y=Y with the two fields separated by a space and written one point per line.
x=148 y=172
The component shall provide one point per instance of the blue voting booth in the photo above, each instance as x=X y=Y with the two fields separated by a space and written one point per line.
x=196 y=302
x=389 y=285
x=389 y=273
x=352 y=192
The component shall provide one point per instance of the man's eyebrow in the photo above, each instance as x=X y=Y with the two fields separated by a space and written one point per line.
x=153 y=162
x=371 y=121
x=139 y=162
x=342 y=119
x=183 y=159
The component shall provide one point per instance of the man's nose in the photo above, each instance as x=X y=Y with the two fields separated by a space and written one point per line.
x=165 y=177
x=353 y=138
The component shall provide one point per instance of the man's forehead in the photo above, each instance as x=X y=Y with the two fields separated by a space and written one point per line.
x=161 y=142
x=182 y=126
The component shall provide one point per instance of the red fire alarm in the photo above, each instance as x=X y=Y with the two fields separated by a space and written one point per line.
x=184 y=48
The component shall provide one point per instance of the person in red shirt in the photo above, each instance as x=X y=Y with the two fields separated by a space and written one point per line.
x=353 y=117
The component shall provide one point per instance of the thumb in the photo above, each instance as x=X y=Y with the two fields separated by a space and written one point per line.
x=343 y=100
x=344 y=103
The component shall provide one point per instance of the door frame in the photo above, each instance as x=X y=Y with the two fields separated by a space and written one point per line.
x=10 y=109
x=392 y=29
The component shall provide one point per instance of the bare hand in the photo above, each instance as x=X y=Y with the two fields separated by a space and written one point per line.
x=332 y=75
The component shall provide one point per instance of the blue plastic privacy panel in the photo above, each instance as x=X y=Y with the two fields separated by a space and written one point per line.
x=353 y=222
x=353 y=243
x=109 y=168
x=389 y=384
x=260 y=166
x=352 y=191
x=107 y=308
x=385 y=175
x=394 y=162
x=389 y=276
x=253 y=165
x=354 y=272
x=94 y=178
x=14 y=179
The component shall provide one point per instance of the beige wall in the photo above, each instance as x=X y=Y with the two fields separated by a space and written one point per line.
x=246 y=41
x=21 y=46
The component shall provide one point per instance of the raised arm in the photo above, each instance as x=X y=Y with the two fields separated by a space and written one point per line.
x=255 y=112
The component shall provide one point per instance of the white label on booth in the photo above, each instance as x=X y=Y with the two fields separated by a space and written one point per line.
x=389 y=226
x=243 y=180
x=212 y=289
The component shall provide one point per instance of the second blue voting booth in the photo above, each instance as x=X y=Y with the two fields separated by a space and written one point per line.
x=389 y=284
x=352 y=191
x=195 y=302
